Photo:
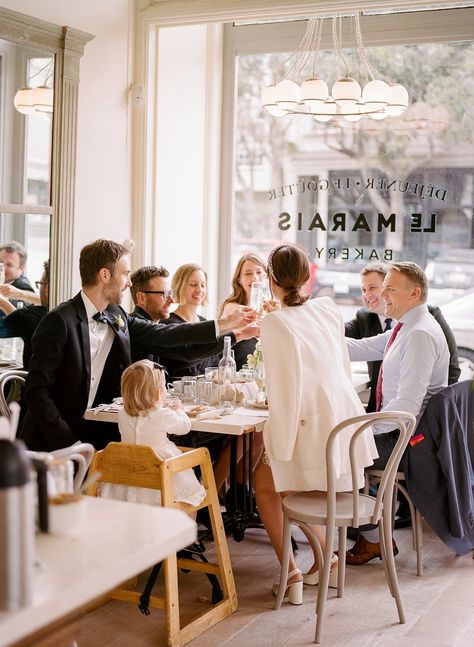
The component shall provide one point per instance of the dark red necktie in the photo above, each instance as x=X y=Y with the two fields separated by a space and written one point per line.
x=378 y=390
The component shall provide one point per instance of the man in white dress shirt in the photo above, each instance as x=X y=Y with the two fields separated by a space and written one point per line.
x=370 y=321
x=415 y=365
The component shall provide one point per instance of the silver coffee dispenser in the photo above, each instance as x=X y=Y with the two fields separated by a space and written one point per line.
x=17 y=526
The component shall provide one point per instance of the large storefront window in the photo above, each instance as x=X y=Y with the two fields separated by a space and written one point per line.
x=399 y=189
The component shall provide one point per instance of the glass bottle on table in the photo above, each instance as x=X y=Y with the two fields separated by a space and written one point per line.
x=259 y=374
x=227 y=378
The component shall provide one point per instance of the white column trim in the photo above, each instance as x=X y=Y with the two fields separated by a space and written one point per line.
x=67 y=45
x=178 y=12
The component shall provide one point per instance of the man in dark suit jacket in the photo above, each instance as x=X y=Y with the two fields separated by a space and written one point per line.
x=13 y=255
x=81 y=348
x=370 y=321
x=23 y=322
x=151 y=293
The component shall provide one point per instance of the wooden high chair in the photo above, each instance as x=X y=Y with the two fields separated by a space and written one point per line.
x=139 y=466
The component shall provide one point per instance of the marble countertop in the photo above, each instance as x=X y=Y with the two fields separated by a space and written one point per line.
x=116 y=542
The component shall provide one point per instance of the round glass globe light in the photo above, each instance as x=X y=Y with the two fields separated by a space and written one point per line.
x=346 y=91
x=43 y=99
x=314 y=92
x=268 y=97
x=353 y=115
x=23 y=101
x=376 y=94
x=379 y=115
x=397 y=100
x=287 y=94
x=276 y=111
x=326 y=111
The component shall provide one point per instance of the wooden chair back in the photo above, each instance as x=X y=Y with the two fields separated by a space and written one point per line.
x=140 y=466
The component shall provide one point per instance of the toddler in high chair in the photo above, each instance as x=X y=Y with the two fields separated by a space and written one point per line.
x=145 y=420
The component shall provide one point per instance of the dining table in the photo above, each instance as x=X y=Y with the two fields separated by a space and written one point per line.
x=242 y=422
x=116 y=541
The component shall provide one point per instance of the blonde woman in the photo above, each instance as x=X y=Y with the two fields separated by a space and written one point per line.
x=189 y=285
x=144 y=420
x=250 y=268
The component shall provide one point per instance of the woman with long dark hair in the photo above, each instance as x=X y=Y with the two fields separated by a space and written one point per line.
x=249 y=269
x=309 y=390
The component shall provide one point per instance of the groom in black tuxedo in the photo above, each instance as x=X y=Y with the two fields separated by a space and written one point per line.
x=81 y=348
x=370 y=321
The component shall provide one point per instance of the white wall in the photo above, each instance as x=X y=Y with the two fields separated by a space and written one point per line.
x=180 y=141
x=103 y=146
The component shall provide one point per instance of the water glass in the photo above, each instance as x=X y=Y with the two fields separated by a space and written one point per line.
x=212 y=375
x=246 y=374
x=204 y=391
x=172 y=401
x=188 y=390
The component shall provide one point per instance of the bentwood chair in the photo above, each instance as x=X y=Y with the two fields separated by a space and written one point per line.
x=80 y=453
x=374 y=476
x=139 y=466
x=15 y=379
x=343 y=509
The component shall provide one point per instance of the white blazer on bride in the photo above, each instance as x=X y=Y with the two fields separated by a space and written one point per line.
x=309 y=389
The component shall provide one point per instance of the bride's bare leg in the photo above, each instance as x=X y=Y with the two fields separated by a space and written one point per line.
x=318 y=531
x=271 y=513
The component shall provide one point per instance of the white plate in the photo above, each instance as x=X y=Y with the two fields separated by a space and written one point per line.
x=255 y=405
x=204 y=409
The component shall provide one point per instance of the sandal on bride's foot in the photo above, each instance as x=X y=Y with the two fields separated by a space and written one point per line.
x=294 y=591
x=312 y=578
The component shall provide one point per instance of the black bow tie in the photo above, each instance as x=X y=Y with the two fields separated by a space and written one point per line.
x=101 y=317
x=388 y=324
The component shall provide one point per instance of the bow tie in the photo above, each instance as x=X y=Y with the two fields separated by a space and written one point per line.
x=101 y=317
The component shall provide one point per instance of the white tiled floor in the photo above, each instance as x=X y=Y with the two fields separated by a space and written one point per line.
x=439 y=606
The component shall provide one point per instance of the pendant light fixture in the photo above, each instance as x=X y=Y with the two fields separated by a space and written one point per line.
x=29 y=99
x=378 y=99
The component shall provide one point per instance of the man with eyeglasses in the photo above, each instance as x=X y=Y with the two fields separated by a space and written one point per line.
x=16 y=286
x=22 y=322
x=151 y=293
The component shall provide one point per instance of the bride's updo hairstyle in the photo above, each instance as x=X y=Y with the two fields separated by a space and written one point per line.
x=289 y=268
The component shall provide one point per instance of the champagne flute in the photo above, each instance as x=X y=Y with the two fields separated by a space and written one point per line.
x=266 y=296
x=256 y=296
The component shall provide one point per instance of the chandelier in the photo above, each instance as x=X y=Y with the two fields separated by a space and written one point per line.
x=380 y=97
x=29 y=99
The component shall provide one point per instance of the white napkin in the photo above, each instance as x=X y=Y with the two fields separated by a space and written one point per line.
x=248 y=390
x=208 y=415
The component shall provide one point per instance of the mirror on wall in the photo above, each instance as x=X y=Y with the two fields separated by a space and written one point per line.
x=25 y=151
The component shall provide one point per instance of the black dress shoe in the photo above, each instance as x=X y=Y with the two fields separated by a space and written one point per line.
x=352 y=533
x=402 y=522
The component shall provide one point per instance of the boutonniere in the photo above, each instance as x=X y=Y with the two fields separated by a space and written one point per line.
x=119 y=322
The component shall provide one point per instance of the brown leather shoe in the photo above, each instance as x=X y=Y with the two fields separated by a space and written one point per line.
x=364 y=551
